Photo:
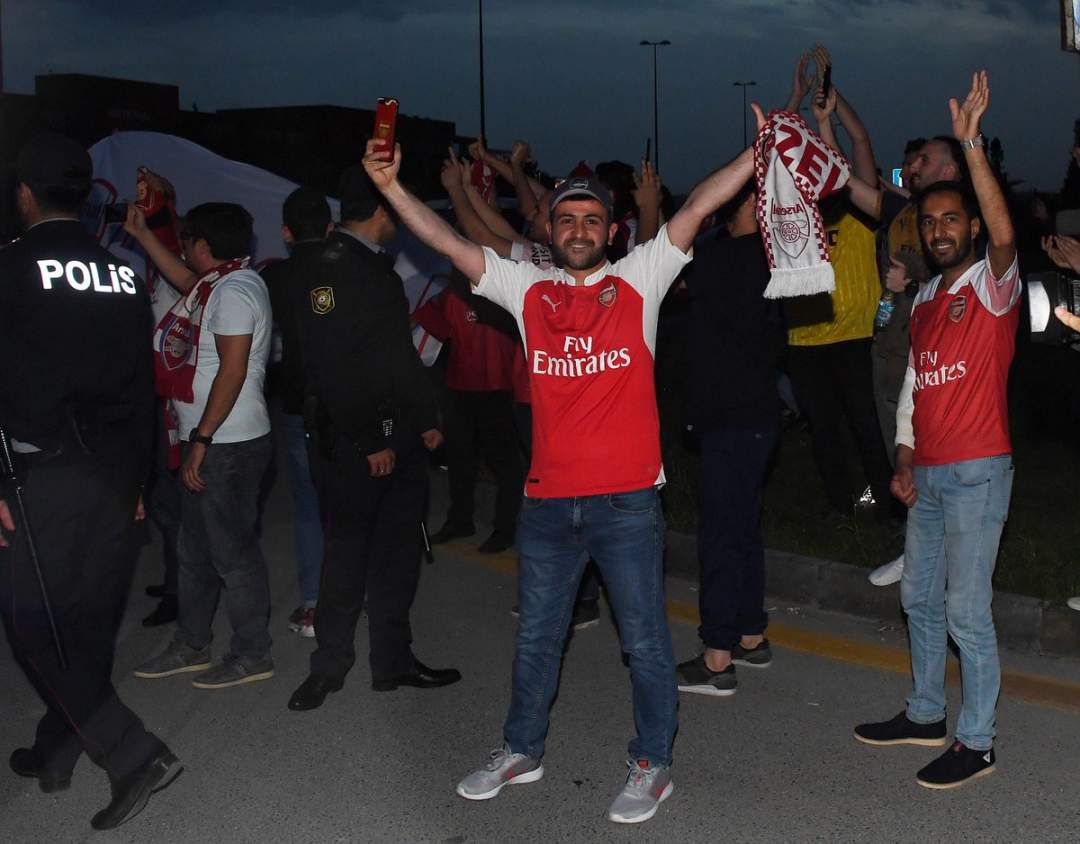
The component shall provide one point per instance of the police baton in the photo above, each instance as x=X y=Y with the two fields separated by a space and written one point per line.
x=428 y=555
x=9 y=477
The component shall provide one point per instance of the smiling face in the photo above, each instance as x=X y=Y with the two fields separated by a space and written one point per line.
x=947 y=230
x=580 y=233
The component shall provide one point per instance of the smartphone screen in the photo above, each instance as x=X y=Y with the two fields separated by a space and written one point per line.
x=386 y=110
x=897 y=177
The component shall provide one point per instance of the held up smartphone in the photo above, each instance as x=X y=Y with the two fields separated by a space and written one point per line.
x=897 y=178
x=386 y=109
x=115 y=212
x=826 y=85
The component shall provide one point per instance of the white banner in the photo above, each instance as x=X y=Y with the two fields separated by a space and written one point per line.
x=199 y=176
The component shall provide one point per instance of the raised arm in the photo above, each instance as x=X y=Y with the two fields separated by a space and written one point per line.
x=471 y=224
x=175 y=271
x=428 y=226
x=716 y=189
x=802 y=83
x=1001 y=251
x=648 y=195
x=491 y=216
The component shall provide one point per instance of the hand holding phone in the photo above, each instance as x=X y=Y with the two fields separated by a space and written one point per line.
x=385 y=134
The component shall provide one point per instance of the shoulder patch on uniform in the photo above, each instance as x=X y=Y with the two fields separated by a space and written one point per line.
x=322 y=300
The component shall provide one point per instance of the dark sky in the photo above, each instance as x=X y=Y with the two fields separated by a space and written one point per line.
x=570 y=76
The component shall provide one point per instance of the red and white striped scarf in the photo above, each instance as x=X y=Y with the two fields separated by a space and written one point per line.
x=794 y=170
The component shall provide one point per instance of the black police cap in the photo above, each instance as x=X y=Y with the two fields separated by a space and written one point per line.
x=50 y=161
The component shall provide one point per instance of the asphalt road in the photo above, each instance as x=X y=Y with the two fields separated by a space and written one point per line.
x=775 y=762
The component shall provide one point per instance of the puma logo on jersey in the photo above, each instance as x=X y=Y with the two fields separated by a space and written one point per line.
x=550 y=301
x=82 y=276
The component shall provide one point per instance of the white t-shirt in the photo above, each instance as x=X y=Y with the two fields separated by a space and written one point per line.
x=239 y=304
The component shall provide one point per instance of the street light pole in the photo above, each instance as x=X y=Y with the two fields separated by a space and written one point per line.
x=480 y=15
x=744 y=86
x=655 y=99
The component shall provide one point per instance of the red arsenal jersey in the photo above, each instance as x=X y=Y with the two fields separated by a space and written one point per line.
x=962 y=343
x=589 y=351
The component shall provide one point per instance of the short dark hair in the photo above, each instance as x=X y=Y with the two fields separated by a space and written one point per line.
x=57 y=171
x=359 y=198
x=727 y=211
x=956 y=152
x=306 y=214
x=961 y=189
x=914 y=145
x=225 y=226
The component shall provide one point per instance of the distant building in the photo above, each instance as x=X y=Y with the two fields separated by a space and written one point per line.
x=307 y=144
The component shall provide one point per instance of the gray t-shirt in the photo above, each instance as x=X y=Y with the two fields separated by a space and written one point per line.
x=239 y=304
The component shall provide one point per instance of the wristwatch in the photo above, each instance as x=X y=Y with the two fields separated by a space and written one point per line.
x=971 y=143
x=196 y=437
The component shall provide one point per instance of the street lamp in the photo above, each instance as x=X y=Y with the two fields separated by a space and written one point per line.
x=744 y=86
x=480 y=20
x=655 y=100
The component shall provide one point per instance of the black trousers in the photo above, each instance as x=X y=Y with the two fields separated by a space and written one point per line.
x=162 y=500
x=835 y=386
x=481 y=424
x=373 y=547
x=81 y=508
x=730 y=550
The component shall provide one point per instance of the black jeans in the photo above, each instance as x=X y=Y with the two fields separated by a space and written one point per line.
x=733 y=465
x=482 y=424
x=219 y=546
x=81 y=508
x=834 y=382
x=162 y=500
x=373 y=544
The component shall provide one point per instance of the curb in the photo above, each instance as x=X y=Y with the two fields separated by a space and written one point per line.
x=1023 y=624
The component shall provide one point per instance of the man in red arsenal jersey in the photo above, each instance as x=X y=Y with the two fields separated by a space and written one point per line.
x=589 y=329
x=953 y=458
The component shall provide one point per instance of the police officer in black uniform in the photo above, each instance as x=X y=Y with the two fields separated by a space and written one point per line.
x=371 y=412
x=76 y=399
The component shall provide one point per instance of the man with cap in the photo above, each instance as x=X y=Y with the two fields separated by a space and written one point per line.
x=589 y=329
x=76 y=400
x=371 y=412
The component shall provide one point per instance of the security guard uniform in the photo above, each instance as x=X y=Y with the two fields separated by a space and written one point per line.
x=367 y=391
x=76 y=398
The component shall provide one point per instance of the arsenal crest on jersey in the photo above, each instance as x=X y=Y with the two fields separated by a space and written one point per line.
x=957 y=307
x=608 y=295
x=322 y=300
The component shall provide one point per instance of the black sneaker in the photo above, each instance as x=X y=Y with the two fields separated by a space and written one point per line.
x=697 y=678
x=451 y=531
x=902 y=730
x=586 y=614
x=498 y=541
x=759 y=656
x=956 y=766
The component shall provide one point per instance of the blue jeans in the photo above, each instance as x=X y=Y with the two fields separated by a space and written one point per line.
x=624 y=534
x=952 y=543
x=307 y=526
x=219 y=548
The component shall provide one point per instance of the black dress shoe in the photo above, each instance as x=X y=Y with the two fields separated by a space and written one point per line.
x=156 y=591
x=498 y=541
x=165 y=612
x=313 y=691
x=421 y=677
x=452 y=531
x=26 y=763
x=131 y=794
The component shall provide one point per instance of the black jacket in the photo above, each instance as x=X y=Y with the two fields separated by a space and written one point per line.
x=75 y=340
x=356 y=349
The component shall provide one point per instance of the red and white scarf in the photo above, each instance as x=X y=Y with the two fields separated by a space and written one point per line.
x=176 y=348
x=794 y=170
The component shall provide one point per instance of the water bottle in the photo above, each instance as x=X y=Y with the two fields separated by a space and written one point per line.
x=885 y=307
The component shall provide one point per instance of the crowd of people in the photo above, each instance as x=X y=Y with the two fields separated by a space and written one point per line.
x=551 y=319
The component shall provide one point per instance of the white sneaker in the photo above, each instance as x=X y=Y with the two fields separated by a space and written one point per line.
x=889 y=573
x=503 y=768
x=1074 y=603
x=647 y=786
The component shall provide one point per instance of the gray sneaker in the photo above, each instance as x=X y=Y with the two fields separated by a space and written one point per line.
x=503 y=768
x=235 y=671
x=177 y=658
x=696 y=677
x=647 y=786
